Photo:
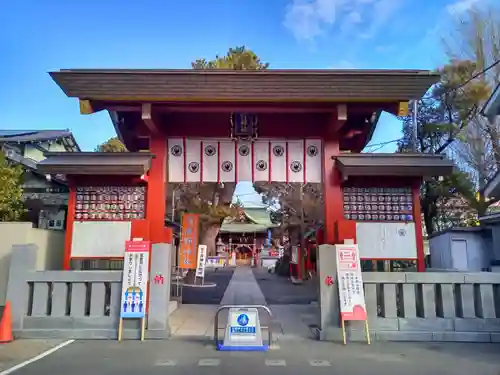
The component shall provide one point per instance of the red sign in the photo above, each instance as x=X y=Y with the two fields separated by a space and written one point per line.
x=137 y=246
x=348 y=259
x=188 y=248
x=350 y=283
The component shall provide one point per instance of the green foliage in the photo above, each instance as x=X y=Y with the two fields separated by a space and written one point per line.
x=213 y=201
x=11 y=192
x=443 y=115
x=111 y=145
x=238 y=58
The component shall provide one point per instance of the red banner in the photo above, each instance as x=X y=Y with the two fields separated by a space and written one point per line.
x=188 y=248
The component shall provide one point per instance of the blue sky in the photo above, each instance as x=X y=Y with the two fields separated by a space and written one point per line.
x=38 y=36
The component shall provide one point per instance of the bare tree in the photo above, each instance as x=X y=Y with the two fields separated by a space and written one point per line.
x=477 y=38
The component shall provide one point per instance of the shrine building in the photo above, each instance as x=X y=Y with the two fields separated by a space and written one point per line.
x=222 y=127
x=246 y=234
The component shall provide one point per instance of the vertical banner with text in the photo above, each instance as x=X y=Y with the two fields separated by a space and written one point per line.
x=189 y=241
x=202 y=259
x=135 y=279
x=350 y=283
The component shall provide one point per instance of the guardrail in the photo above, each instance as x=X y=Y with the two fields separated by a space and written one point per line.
x=242 y=308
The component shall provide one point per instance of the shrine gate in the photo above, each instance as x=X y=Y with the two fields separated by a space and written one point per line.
x=222 y=127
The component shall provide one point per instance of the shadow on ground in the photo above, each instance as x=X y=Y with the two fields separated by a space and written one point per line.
x=209 y=296
x=279 y=290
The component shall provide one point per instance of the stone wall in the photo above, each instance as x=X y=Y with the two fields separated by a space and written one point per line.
x=50 y=244
x=81 y=304
x=412 y=306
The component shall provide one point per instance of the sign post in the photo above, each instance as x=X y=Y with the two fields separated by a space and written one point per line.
x=135 y=284
x=200 y=263
x=243 y=331
x=350 y=285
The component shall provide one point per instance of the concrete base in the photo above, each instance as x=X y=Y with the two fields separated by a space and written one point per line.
x=334 y=334
x=90 y=334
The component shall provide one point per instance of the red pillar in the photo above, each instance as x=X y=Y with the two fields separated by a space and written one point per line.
x=70 y=219
x=157 y=191
x=417 y=216
x=332 y=192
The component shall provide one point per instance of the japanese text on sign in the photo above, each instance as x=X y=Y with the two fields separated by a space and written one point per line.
x=350 y=283
x=189 y=241
x=202 y=258
x=135 y=275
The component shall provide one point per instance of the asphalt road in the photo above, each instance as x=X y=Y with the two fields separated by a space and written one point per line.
x=212 y=295
x=279 y=290
x=181 y=357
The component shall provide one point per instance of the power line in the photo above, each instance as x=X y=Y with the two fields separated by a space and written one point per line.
x=484 y=71
x=463 y=84
x=384 y=143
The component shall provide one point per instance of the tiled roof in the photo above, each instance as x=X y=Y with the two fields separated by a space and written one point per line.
x=230 y=85
x=96 y=163
x=32 y=135
x=22 y=136
x=398 y=164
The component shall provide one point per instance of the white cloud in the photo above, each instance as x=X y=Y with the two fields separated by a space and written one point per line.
x=461 y=6
x=308 y=19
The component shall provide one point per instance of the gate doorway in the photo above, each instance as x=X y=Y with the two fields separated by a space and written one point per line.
x=244 y=255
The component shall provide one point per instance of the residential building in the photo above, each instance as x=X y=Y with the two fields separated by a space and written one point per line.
x=45 y=198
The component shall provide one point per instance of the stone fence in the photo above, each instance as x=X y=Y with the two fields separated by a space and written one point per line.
x=434 y=306
x=413 y=306
x=80 y=304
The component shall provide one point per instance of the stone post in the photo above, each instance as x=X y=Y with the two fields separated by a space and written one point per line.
x=159 y=291
x=495 y=256
x=329 y=296
x=22 y=261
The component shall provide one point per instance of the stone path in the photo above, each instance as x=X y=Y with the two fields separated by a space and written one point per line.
x=198 y=320
x=243 y=289
x=295 y=322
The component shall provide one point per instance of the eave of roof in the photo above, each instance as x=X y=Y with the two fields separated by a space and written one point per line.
x=96 y=163
x=26 y=136
x=244 y=228
x=234 y=86
x=397 y=164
